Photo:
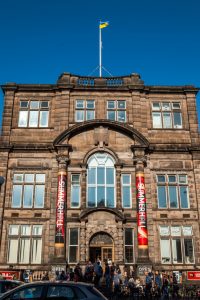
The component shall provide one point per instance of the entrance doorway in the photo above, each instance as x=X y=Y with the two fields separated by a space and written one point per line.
x=101 y=247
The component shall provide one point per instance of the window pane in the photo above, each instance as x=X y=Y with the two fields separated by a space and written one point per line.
x=23 y=119
x=176 y=105
x=79 y=115
x=187 y=230
x=128 y=254
x=37 y=230
x=128 y=236
x=91 y=175
x=188 y=248
x=13 y=229
x=80 y=104
x=18 y=177
x=111 y=115
x=173 y=200
x=44 y=117
x=64 y=292
x=17 y=196
x=175 y=230
x=111 y=104
x=25 y=230
x=171 y=178
x=90 y=104
x=182 y=178
x=184 y=197
x=27 y=293
x=73 y=254
x=164 y=230
x=34 y=104
x=75 y=179
x=109 y=176
x=29 y=177
x=165 y=251
x=39 y=196
x=24 y=251
x=100 y=175
x=126 y=196
x=121 y=116
x=157 y=123
x=177 y=120
x=28 y=196
x=40 y=177
x=12 y=255
x=90 y=115
x=177 y=251
x=75 y=196
x=156 y=106
x=44 y=104
x=121 y=104
x=100 y=196
x=126 y=179
x=91 y=197
x=36 y=251
x=162 y=200
x=166 y=106
x=33 y=119
x=110 y=197
x=24 y=104
x=73 y=236
x=167 y=122
x=161 y=178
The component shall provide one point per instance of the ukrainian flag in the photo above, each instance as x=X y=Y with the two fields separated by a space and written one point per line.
x=103 y=24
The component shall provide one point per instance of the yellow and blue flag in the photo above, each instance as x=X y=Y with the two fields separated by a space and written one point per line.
x=103 y=24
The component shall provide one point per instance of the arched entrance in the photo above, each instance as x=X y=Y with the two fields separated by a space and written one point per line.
x=101 y=247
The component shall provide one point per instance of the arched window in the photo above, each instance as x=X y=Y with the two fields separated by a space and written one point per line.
x=101 y=181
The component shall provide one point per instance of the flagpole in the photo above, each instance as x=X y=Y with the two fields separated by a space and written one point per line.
x=100 y=50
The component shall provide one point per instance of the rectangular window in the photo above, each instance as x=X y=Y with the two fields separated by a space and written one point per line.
x=85 y=110
x=27 y=242
x=128 y=245
x=33 y=114
x=172 y=191
x=75 y=190
x=28 y=191
x=126 y=190
x=176 y=245
x=73 y=245
x=116 y=110
x=166 y=115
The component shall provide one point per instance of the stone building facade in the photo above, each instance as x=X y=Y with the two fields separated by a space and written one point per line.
x=104 y=168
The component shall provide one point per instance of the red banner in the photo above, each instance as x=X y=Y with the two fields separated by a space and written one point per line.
x=141 y=212
x=60 y=209
x=193 y=275
x=10 y=275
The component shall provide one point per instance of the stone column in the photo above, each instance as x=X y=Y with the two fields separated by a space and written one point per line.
x=61 y=204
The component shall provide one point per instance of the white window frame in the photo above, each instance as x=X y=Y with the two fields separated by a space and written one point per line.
x=84 y=109
x=126 y=245
x=178 y=186
x=23 y=182
x=21 y=236
x=78 y=185
x=171 y=236
x=160 y=109
x=130 y=191
x=96 y=184
x=73 y=245
x=116 y=109
x=28 y=110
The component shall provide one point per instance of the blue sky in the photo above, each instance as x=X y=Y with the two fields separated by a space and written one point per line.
x=40 y=39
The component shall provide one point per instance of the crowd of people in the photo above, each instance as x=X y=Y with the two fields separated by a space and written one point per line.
x=110 y=277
